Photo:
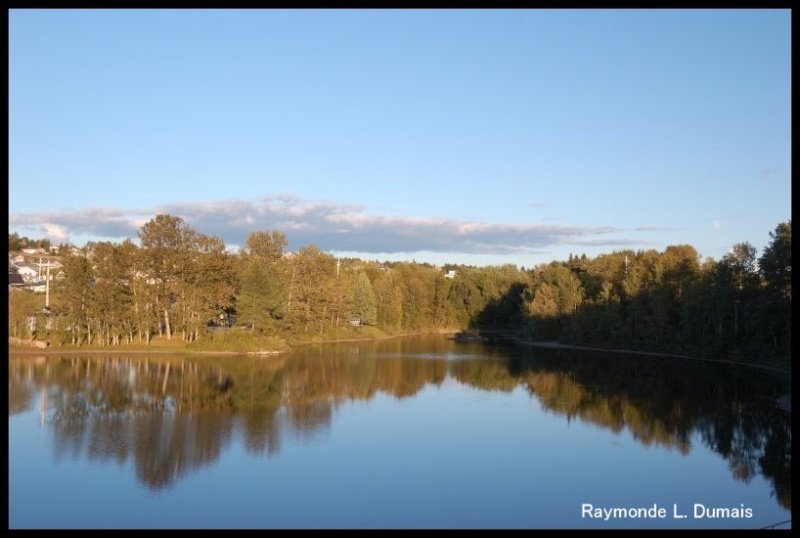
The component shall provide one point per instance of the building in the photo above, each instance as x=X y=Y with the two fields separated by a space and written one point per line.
x=15 y=281
x=27 y=272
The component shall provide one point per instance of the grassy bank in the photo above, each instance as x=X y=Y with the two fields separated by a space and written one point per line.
x=232 y=341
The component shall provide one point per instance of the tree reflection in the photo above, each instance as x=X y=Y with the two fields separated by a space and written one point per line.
x=174 y=415
x=729 y=410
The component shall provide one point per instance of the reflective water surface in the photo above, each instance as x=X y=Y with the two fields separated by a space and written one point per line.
x=420 y=432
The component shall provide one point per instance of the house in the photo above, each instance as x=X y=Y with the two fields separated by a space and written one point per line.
x=15 y=281
x=450 y=274
x=33 y=251
x=27 y=272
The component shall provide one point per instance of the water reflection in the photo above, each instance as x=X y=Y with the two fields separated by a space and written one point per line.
x=666 y=403
x=173 y=415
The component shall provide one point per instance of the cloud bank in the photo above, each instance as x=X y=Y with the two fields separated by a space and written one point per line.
x=330 y=226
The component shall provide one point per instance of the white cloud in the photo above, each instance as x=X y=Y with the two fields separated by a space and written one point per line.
x=331 y=227
x=55 y=233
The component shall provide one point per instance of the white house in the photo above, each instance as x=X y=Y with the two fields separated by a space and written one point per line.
x=28 y=273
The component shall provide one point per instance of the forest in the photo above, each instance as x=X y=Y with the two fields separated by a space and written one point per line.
x=181 y=286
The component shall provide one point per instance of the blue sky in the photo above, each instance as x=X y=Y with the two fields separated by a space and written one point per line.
x=445 y=136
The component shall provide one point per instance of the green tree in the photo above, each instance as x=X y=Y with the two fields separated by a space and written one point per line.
x=775 y=263
x=112 y=297
x=775 y=266
x=364 y=305
x=213 y=278
x=72 y=297
x=14 y=242
x=542 y=309
x=261 y=299
x=266 y=245
x=166 y=241
x=389 y=298
x=740 y=285
x=22 y=305
x=311 y=288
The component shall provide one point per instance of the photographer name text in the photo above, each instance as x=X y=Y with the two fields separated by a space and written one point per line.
x=697 y=511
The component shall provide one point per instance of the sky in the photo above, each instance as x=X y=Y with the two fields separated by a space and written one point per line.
x=478 y=137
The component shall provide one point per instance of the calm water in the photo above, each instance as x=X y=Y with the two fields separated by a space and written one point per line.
x=417 y=432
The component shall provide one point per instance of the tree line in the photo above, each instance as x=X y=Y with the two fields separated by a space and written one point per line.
x=736 y=308
x=181 y=284
x=15 y=242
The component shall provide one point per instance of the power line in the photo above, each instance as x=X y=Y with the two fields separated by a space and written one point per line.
x=717 y=249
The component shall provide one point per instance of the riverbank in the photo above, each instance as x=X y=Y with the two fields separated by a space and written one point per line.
x=159 y=346
x=556 y=345
x=783 y=402
x=24 y=348
x=18 y=346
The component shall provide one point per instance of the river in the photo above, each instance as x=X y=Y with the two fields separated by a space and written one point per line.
x=412 y=433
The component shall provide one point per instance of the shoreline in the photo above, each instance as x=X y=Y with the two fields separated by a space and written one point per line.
x=17 y=349
x=556 y=345
x=26 y=349
x=783 y=402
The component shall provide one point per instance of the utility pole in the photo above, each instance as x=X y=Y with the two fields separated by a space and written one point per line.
x=47 y=288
